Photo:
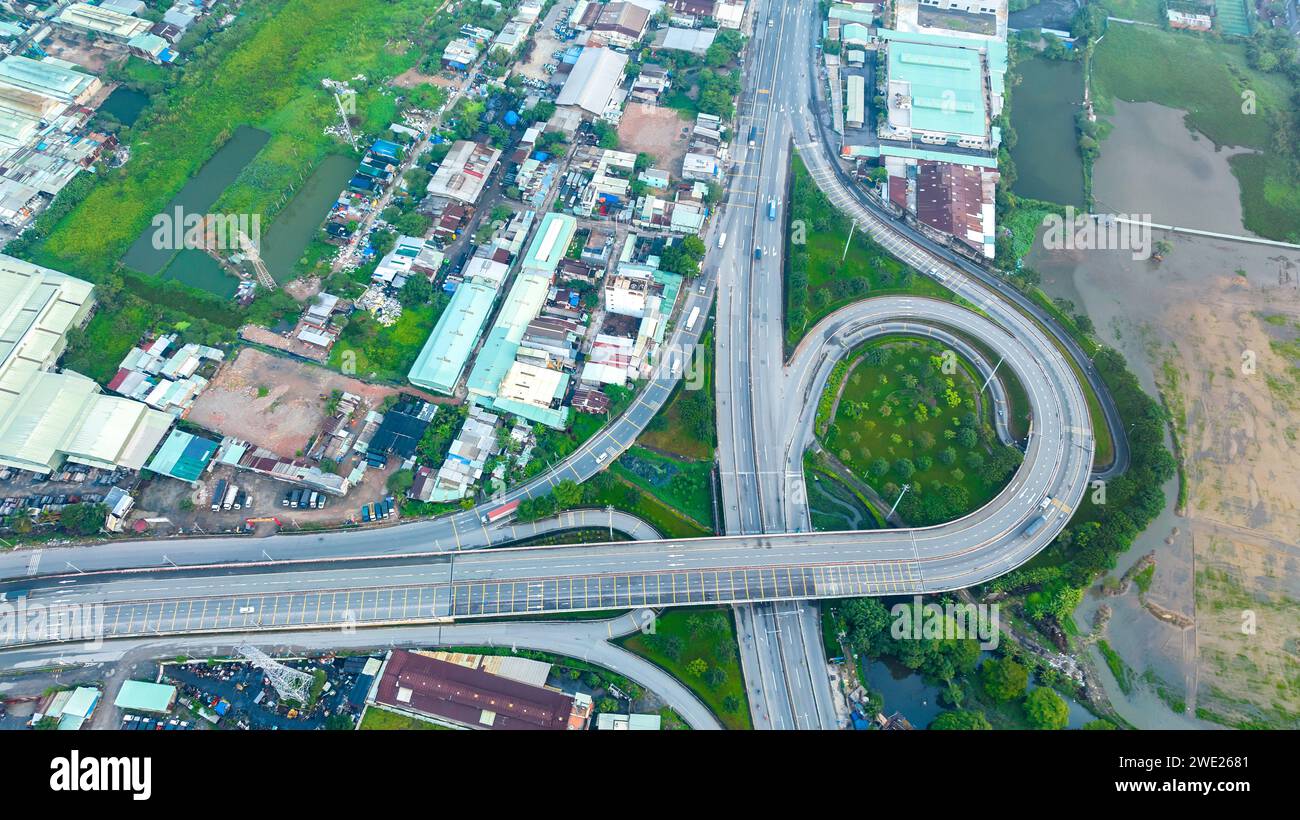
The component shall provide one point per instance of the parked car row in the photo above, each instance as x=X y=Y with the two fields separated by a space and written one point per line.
x=45 y=503
x=75 y=473
x=377 y=510
x=304 y=499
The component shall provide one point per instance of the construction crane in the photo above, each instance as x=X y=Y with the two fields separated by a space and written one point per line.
x=292 y=684
x=212 y=247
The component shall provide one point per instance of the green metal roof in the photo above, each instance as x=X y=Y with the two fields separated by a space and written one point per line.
x=946 y=85
x=446 y=352
x=144 y=696
x=550 y=242
x=556 y=417
x=936 y=155
x=493 y=362
x=843 y=11
x=994 y=50
x=521 y=306
x=183 y=456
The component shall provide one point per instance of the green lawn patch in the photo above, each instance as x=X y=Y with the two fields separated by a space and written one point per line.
x=1144 y=578
x=1269 y=203
x=820 y=276
x=671 y=523
x=683 y=485
x=1123 y=674
x=699 y=648
x=1202 y=76
x=1147 y=11
x=384 y=720
x=902 y=420
x=381 y=353
x=686 y=424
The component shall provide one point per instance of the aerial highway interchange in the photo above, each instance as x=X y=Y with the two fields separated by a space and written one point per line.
x=769 y=563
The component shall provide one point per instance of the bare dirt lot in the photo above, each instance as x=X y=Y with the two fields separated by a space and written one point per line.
x=544 y=44
x=274 y=402
x=412 y=78
x=1214 y=330
x=656 y=131
x=94 y=57
x=162 y=498
x=1247 y=587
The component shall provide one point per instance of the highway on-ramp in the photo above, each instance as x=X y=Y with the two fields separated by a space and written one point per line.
x=754 y=563
x=743 y=568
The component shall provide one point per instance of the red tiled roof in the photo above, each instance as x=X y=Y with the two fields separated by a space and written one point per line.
x=121 y=375
x=949 y=197
x=459 y=694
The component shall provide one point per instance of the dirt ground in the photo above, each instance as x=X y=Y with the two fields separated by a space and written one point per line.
x=94 y=57
x=161 y=498
x=544 y=44
x=656 y=131
x=1247 y=587
x=291 y=411
x=412 y=78
x=303 y=288
x=1207 y=329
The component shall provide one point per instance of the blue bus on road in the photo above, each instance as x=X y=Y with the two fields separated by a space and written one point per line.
x=771 y=209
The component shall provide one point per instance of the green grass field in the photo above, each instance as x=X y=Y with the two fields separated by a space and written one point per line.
x=821 y=276
x=383 y=720
x=902 y=420
x=686 y=638
x=683 y=485
x=1207 y=78
x=686 y=425
x=267 y=75
x=385 y=353
x=663 y=517
x=1204 y=77
x=1146 y=11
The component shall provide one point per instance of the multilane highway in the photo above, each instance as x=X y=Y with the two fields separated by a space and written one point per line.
x=750 y=566
x=744 y=568
x=780 y=644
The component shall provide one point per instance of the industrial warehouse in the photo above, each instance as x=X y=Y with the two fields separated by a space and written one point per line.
x=48 y=417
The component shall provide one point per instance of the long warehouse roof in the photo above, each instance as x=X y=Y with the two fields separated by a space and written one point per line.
x=446 y=352
x=550 y=243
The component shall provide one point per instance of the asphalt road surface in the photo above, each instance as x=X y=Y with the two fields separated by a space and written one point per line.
x=786 y=675
x=754 y=563
x=584 y=640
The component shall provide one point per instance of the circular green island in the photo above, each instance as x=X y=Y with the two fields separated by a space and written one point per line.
x=907 y=411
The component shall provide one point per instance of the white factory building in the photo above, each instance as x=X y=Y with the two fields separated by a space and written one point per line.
x=48 y=417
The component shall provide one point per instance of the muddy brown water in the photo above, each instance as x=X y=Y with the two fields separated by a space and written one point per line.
x=1152 y=164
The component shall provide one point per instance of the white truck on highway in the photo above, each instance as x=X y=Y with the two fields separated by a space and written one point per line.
x=690 y=320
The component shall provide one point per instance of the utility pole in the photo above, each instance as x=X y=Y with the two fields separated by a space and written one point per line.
x=991 y=375
x=906 y=487
x=292 y=684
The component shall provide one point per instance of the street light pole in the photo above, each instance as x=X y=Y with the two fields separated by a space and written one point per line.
x=906 y=487
x=991 y=375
